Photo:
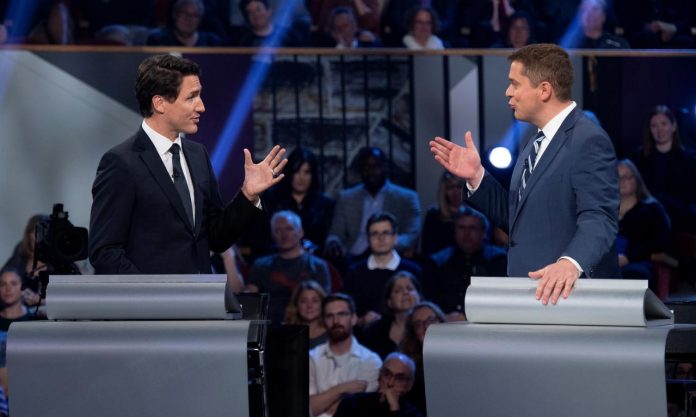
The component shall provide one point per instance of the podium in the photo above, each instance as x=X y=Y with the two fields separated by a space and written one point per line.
x=150 y=345
x=599 y=353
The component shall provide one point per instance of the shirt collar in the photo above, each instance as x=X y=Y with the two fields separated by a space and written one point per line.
x=554 y=124
x=162 y=144
x=355 y=349
x=392 y=265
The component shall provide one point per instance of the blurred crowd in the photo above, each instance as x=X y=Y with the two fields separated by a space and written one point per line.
x=413 y=24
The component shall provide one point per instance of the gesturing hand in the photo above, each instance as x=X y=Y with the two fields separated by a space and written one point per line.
x=464 y=162
x=259 y=177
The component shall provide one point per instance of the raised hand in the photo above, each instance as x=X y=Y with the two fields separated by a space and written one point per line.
x=260 y=177
x=464 y=162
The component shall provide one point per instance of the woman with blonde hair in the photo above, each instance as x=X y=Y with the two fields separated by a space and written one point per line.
x=305 y=308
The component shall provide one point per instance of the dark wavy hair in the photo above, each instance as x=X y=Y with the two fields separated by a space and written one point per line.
x=292 y=311
x=161 y=75
x=411 y=18
x=389 y=286
x=298 y=157
x=410 y=345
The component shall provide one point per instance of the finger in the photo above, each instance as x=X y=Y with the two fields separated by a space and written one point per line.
x=277 y=179
x=469 y=141
x=566 y=290
x=442 y=162
x=537 y=274
x=279 y=167
x=277 y=158
x=247 y=157
x=540 y=288
x=443 y=142
x=272 y=154
x=558 y=287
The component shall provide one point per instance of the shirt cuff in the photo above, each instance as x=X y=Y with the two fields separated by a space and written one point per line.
x=472 y=189
x=574 y=262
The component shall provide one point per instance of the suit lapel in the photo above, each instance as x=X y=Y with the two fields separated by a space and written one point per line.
x=552 y=150
x=154 y=164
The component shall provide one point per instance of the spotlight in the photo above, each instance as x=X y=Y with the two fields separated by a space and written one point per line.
x=500 y=157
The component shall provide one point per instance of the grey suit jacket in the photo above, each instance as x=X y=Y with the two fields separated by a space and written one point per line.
x=569 y=207
x=399 y=201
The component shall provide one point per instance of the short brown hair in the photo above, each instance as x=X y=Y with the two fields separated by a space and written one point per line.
x=161 y=75
x=546 y=62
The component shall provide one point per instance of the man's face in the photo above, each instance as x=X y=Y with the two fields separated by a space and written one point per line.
x=182 y=114
x=372 y=173
x=339 y=320
x=592 y=16
x=469 y=234
x=10 y=288
x=187 y=19
x=381 y=238
x=286 y=236
x=259 y=15
x=396 y=376
x=518 y=33
x=344 y=29
x=523 y=98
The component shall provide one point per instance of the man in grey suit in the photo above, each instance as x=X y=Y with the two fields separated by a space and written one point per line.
x=376 y=193
x=561 y=211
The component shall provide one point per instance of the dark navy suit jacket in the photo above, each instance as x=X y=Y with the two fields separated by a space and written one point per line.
x=138 y=223
x=570 y=205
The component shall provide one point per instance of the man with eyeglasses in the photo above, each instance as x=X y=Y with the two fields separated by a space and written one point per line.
x=395 y=381
x=365 y=279
x=340 y=366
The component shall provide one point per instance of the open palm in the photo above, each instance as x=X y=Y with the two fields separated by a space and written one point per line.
x=464 y=162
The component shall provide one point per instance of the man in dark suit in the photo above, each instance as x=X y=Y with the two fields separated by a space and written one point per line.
x=156 y=207
x=561 y=211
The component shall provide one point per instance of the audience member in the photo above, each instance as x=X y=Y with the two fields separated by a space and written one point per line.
x=261 y=29
x=300 y=191
x=656 y=23
x=22 y=260
x=395 y=381
x=305 y=308
x=365 y=13
x=365 y=279
x=348 y=233
x=12 y=310
x=280 y=273
x=340 y=366
x=643 y=224
x=520 y=31
x=422 y=315
x=227 y=263
x=423 y=23
x=400 y=294
x=592 y=33
x=57 y=28
x=669 y=169
x=184 y=27
x=448 y=272
x=489 y=20
x=345 y=32
x=438 y=227
x=393 y=22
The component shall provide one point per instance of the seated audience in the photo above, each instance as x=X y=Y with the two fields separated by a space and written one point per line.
x=228 y=264
x=422 y=315
x=592 y=33
x=305 y=308
x=261 y=29
x=345 y=32
x=184 y=27
x=340 y=366
x=300 y=191
x=438 y=227
x=643 y=224
x=423 y=23
x=366 y=13
x=365 y=279
x=669 y=169
x=22 y=260
x=401 y=293
x=520 y=31
x=449 y=271
x=13 y=310
x=489 y=20
x=348 y=233
x=395 y=381
x=280 y=273
x=651 y=24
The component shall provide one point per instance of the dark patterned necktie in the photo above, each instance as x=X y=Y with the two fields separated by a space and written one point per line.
x=180 y=181
x=529 y=163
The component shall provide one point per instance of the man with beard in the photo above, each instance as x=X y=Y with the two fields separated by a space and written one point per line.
x=340 y=366
x=348 y=232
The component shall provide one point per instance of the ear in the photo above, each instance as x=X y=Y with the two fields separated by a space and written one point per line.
x=546 y=90
x=158 y=103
